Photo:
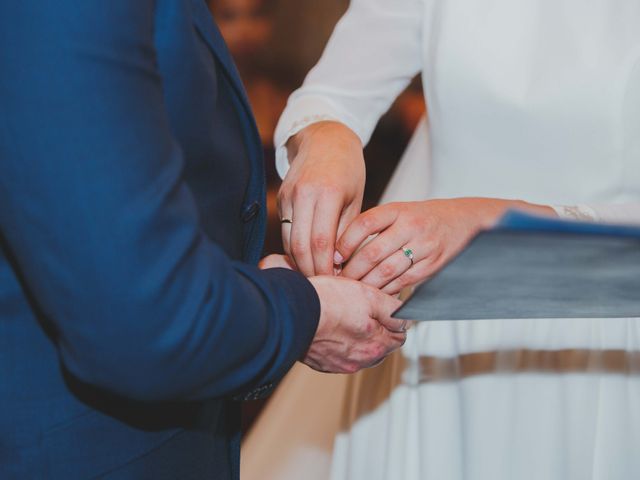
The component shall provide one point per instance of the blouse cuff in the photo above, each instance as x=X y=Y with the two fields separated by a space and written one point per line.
x=622 y=213
x=582 y=213
x=299 y=114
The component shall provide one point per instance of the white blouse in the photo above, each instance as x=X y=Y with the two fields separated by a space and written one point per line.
x=531 y=100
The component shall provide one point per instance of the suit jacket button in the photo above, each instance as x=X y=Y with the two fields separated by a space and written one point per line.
x=250 y=212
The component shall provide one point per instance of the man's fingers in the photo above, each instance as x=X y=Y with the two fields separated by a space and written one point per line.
x=395 y=340
x=377 y=346
x=366 y=224
x=323 y=234
x=382 y=306
x=388 y=342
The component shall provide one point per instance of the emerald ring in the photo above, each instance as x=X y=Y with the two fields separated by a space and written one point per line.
x=408 y=253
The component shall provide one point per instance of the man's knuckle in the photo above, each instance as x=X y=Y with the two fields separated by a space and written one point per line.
x=366 y=292
x=378 y=351
x=351 y=367
x=367 y=328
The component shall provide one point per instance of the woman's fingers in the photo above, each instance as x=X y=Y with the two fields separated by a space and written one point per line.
x=388 y=270
x=368 y=223
x=285 y=211
x=300 y=239
x=373 y=253
x=411 y=253
x=418 y=272
x=325 y=179
x=311 y=236
x=323 y=233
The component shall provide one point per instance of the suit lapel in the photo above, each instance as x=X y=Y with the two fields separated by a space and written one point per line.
x=204 y=23
x=209 y=31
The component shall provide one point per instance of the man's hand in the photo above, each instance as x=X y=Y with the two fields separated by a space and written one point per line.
x=355 y=329
x=321 y=194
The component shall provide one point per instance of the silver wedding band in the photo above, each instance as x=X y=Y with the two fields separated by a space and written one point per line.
x=286 y=220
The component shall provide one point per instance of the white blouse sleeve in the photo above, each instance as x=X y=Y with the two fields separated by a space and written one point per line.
x=374 y=52
x=624 y=213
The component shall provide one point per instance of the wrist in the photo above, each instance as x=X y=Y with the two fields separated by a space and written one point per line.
x=327 y=131
x=318 y=282
x=534 y=208
x=521 y=205
x=491 y=210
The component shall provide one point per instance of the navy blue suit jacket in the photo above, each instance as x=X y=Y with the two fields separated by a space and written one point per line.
x=131 y=212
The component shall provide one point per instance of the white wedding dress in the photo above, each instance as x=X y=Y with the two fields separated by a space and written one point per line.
x=531 y=99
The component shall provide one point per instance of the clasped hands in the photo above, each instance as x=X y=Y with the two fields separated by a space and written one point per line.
x=383 y=250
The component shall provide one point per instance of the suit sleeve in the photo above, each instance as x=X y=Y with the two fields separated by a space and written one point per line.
x=102 y=228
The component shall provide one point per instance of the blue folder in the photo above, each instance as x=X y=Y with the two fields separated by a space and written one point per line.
x=535 y=267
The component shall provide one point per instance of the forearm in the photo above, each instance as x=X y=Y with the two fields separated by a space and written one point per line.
x=223 y=331
x=373 y=54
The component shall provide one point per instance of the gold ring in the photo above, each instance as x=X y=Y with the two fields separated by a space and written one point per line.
x=286 y=220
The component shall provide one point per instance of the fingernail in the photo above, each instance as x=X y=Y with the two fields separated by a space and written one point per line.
x=337 y=258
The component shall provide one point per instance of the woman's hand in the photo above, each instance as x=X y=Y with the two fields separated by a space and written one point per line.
x=416 y=239
x=321 y=194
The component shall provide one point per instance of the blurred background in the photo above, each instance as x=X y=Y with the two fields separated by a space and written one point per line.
x=275 y=43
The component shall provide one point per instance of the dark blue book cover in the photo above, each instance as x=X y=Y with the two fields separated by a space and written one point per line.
x=535 y=267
